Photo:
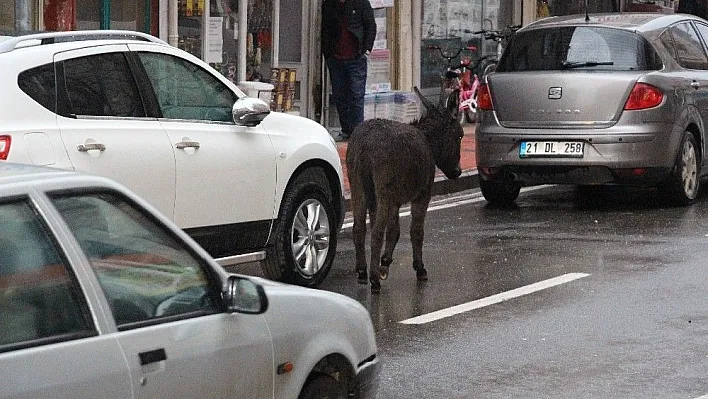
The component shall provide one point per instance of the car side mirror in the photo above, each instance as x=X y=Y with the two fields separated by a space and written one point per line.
x=244 y=296
x=248 y=111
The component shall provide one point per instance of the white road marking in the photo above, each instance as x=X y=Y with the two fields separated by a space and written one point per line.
x=702 y=397
x=447 y=203
x=491 y=300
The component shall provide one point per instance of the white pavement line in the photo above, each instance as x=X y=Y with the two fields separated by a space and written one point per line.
x=702 y=397
x=449 y=203
x=491 y=300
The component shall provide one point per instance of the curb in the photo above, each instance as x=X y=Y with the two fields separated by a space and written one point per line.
x=441 y=186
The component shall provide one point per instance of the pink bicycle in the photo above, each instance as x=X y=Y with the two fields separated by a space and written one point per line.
x=460 y=76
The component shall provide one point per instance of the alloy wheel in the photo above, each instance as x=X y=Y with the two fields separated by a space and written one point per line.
x=689 y=170
x=310 y=237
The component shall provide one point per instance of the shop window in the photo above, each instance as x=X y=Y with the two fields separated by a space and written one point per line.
x=130 y=15
x=88 y=14
x=7 y=17
x=189 y=26
x=225 y=59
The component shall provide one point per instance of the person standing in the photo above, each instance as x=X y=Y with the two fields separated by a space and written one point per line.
x=348 y=33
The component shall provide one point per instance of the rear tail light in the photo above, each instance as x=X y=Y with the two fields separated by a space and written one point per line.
x=4 y=147
x=643 y=96
x=484 y=98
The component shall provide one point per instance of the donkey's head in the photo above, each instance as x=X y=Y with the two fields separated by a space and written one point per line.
x=444 y=133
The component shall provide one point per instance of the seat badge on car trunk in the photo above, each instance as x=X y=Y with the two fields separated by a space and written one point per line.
x=555 y=93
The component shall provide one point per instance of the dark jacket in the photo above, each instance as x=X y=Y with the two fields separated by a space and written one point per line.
x=361 y=24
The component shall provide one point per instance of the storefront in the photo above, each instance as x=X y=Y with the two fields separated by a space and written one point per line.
x=450 y=24
x=247 y=39
x=64 y=15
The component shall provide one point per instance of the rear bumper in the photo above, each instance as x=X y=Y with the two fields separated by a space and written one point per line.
x=583 y=175
x=613 y=155
x=367 y=378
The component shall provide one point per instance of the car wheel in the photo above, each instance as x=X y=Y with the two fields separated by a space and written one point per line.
x=323 y=386
x=683 y=184
x=499 y=192
x=306 y=233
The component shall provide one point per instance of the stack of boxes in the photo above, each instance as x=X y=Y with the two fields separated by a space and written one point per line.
x=384 y=105
x=283 y=80
x=406 y=108
x=369 y=106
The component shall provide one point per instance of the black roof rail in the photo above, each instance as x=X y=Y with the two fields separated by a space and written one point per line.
x=37 y=39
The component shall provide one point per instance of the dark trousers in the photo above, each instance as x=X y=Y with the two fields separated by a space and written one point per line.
x=348 y=79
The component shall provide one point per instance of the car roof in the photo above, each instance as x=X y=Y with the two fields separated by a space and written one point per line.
x=640 y=22
x=11 y=172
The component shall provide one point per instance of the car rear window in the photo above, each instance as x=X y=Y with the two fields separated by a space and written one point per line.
x=39 y=83
x=578 y=47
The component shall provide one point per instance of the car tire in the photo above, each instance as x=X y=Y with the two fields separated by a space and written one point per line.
x=499 y=192
x=683 y=185
x=323 y=386
x=303 y=253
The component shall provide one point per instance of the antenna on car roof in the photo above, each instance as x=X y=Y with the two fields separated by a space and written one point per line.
x=587 y=16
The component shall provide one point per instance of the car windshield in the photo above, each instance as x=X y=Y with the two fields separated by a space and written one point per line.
x=582 y=47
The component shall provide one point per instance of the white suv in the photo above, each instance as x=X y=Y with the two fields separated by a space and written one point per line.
x=247 y=184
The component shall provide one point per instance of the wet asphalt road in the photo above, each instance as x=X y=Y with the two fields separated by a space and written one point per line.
x=635 y=327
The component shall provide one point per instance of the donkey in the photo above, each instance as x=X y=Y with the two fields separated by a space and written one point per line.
x=390 y=164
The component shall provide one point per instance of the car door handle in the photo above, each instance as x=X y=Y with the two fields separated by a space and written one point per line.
x=695 y=84
x=153 y=356
x=187 y=144
x=91 y=146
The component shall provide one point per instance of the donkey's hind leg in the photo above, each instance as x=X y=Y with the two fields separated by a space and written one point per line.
x=358 y=205
x=393 y=233
x=378 y=230
x=418 y=210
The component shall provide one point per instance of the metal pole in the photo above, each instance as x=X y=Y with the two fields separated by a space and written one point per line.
x=172 y=33
x=242 y=33
x=275 y=33
x=163 y=19
x=416 y=26
x=23 y=15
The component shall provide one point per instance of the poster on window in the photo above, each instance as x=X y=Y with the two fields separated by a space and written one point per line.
x=215 y=40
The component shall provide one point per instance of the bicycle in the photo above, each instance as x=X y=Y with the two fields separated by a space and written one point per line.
x=501 y=37
x=463 y=78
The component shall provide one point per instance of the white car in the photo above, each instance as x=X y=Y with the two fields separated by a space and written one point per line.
x=101 y=296
x=246 y=183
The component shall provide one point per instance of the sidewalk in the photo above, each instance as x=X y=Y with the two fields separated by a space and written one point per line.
x=442 y=185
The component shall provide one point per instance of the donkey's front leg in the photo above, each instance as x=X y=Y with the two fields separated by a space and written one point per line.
x=418 y=211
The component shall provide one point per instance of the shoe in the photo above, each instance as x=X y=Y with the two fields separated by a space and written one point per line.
x=341 y=138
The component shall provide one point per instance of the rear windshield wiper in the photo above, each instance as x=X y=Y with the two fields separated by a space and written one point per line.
x=576 y=64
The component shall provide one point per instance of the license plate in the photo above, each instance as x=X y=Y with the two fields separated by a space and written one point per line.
x=551 y=149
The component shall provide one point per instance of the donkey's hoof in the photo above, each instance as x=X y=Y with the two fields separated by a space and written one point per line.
x=421 y=274
x=362 y=277
x=376 y=289
x=383 y=273
x=385 y=261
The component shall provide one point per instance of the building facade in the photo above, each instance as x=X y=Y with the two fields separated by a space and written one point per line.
x=246 y=39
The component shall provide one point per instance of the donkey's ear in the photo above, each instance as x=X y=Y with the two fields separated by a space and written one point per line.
x=452 y=105
x=428 y=105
